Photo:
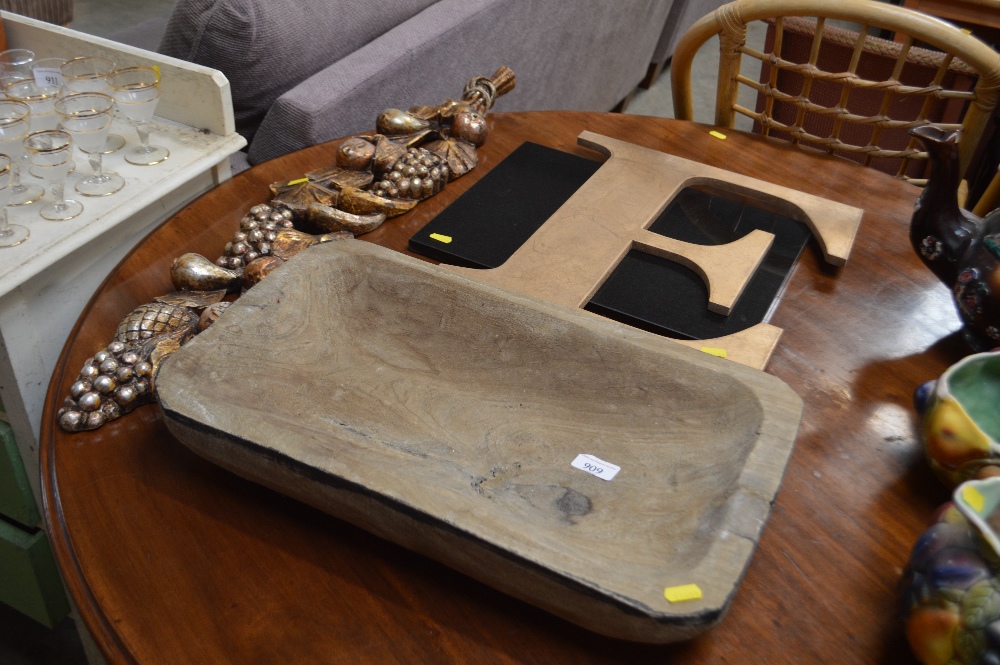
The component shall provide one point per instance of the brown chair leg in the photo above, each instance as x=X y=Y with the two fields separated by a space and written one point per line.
x=623 y=104
x=652 y=75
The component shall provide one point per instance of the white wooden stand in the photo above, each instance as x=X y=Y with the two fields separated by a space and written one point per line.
x=46 y=281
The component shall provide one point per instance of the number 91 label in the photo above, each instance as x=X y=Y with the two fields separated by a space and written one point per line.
x=596 y=467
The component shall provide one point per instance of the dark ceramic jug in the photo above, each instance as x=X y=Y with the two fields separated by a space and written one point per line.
x=960 y=248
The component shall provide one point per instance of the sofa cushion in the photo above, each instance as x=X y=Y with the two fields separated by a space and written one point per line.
x=265 y=47
x=581 y=55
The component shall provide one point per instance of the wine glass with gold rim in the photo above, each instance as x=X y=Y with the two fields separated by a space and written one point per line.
x=90 y=74
x=87 y=117
x=137 y=90
x=51 y=152
x=14 y=126
x=15 y=64
x=11 y=235
x=40 y=98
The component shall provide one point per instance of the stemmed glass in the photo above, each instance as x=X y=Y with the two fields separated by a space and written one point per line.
x=15 y=64
x=14 y=125
x=137 y=89
x=51 y=151
x=40 y=98
x=90 y=74
x=87 y=117
x=10 y=234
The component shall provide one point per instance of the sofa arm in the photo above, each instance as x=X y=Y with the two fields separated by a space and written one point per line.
x=584 y=55
x=266 y=47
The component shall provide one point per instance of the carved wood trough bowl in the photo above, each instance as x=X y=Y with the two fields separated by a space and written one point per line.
x=444 y=414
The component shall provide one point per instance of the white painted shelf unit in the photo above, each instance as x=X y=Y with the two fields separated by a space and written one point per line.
x=46 y=281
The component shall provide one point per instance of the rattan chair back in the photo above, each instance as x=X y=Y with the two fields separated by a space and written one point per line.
x=860 y=103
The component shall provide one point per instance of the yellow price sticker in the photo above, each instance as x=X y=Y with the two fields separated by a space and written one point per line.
x=718 y=135
x=297 y=182
x=679 y=594
x=440 y=237
x=712 y=351
x=974 y=498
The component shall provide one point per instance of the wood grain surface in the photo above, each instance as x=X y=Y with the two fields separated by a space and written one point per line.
x=443 y=414
x=567 y=260
x=172 y=559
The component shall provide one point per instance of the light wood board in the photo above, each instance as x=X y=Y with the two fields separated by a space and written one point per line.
x=444 y=414
x=571 y=255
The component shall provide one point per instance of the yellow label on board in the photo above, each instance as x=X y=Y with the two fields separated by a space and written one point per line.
x=972 y=497
x=718 y=135
x=297 y=182
x=440 y=238
x=678 y=594
x=712 y=351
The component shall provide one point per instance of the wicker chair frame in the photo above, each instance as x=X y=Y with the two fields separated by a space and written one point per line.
x=959 y=52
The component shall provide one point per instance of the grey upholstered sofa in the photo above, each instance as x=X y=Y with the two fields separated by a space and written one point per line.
x=309 y=71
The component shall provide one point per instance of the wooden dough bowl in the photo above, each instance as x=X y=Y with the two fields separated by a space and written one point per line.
x=443 y=414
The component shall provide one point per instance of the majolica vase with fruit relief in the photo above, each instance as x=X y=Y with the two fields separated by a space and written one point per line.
x=951 y=587
x=961 y=420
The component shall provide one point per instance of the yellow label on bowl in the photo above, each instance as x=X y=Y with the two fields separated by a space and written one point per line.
x=678 y=594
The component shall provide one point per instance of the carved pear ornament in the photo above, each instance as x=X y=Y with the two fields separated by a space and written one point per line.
x=375 y=177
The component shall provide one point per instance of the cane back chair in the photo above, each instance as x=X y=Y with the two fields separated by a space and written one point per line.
x=953 y=57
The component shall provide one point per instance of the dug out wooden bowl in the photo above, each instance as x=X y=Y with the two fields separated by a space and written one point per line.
x=444 y=414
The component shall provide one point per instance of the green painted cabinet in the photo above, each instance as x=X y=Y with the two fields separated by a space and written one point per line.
x=16 y=501
x=29 y=579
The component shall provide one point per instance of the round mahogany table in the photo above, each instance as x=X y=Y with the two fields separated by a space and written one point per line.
x=171 y=559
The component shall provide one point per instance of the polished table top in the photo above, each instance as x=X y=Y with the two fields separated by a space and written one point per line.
x=174 y=560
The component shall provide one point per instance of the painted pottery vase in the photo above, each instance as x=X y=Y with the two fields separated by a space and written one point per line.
x=962 y=249
x=961 y=421
x=951 y=587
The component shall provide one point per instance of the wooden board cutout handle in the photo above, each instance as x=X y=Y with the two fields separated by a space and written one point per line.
x=725 y=269
x=834 y=224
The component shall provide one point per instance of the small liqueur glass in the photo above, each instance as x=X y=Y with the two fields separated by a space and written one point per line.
x=51 y=152
x=41 y=99
x=15 y=65
x=14 y=126
x=87 y=117
x=137 y=90
x=90 y=74
x=11 y=235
